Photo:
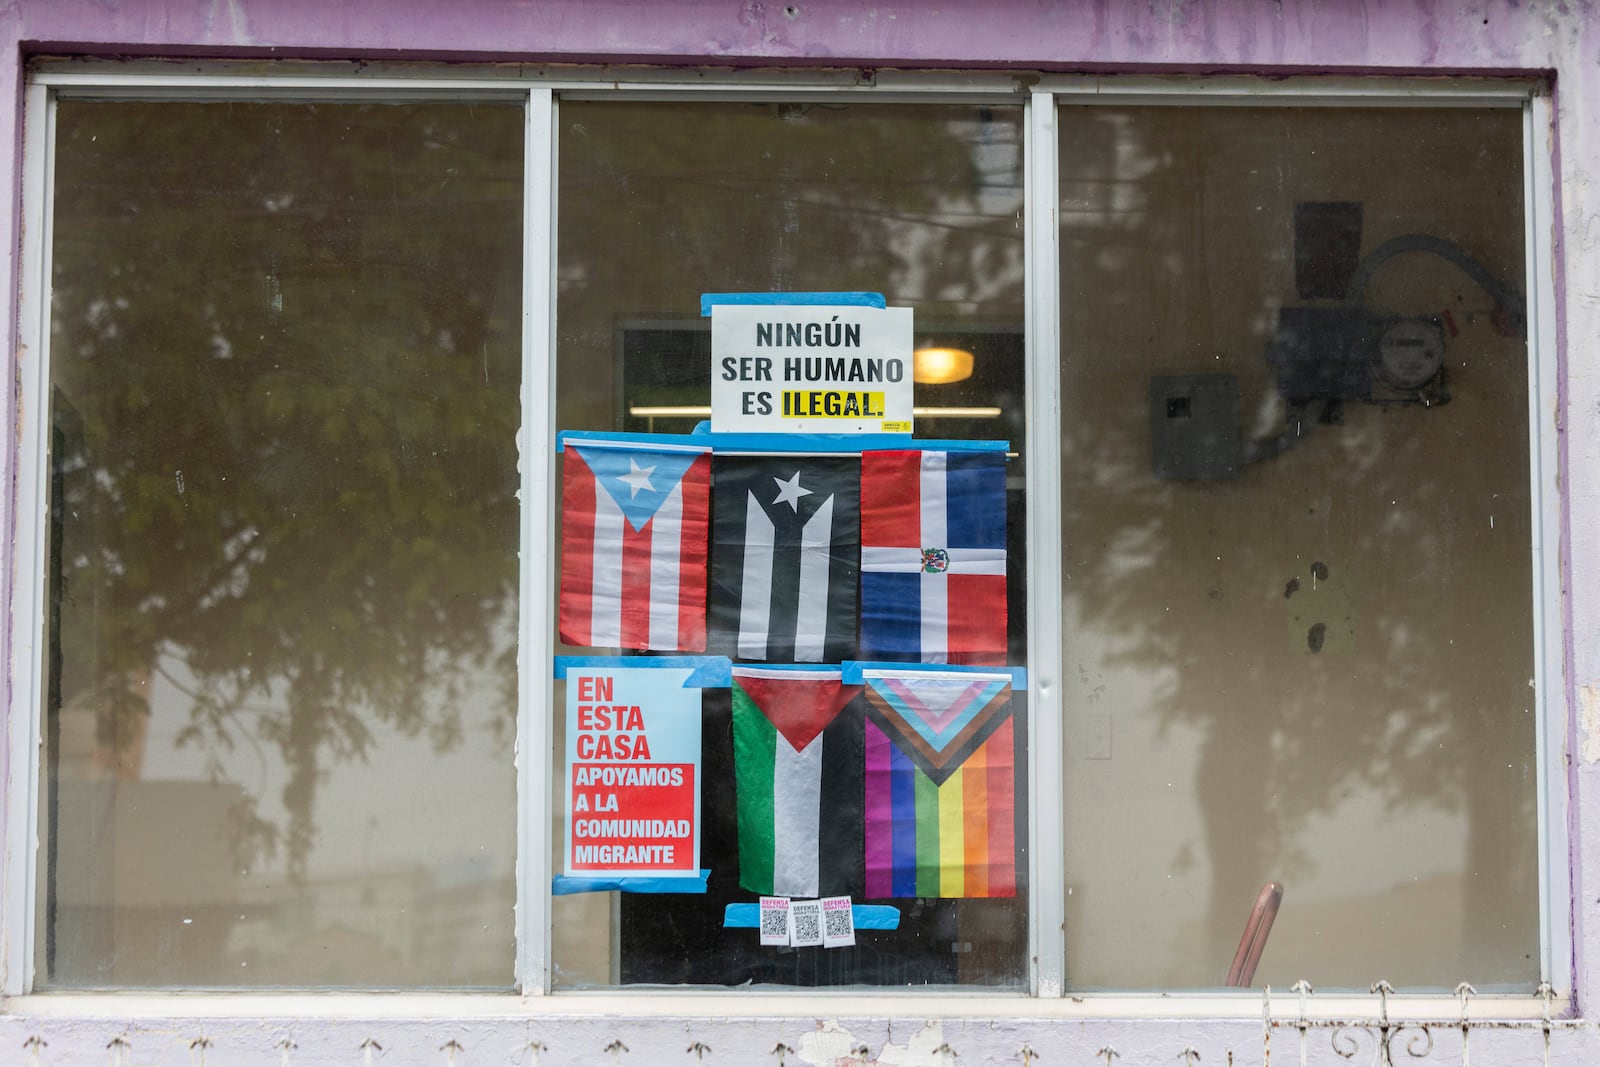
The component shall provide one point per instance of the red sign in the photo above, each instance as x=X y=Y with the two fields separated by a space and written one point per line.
x=637 y=817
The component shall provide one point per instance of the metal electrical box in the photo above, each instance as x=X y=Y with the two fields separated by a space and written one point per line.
x=1194 y=427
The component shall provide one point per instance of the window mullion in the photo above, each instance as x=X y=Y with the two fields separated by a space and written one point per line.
x=1045 y=816
x=29 y=573
x=1555 y=964
x=537 y=569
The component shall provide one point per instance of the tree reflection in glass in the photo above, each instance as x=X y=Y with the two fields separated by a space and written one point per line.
x=1319 y=671
x=285 y=367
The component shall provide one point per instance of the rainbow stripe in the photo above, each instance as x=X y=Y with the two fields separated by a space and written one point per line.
x=952 y=840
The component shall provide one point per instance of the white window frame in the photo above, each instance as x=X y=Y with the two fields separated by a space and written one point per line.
x=540 y=91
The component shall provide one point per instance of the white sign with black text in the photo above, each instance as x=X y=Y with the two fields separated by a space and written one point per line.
x=805 y=368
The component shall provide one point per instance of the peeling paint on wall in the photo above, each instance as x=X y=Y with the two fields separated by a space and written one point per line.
x=1589 y=722
x=834 y=1046
x=927 y=1048
x=830 y=1045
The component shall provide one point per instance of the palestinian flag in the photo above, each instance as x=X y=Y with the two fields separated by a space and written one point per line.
x=785 y=554
x=797 y=765
x=940 y=785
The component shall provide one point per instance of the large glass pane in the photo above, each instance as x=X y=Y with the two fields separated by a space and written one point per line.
x=1298 y=614
x=660 y=203
x=284 y=369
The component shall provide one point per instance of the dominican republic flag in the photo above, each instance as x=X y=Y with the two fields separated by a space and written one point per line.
x=933 y=557
x=785 y=551
x=940 y=785
x=634 y=532
x=797 y=768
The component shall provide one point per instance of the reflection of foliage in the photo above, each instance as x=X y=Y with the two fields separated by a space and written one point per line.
x=285 y=359
x=662 y=202
x=1177 y=241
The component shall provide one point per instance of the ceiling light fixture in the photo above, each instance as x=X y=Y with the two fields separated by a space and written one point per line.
x=940 y=366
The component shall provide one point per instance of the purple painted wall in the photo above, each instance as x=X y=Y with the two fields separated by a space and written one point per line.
x=1096 y=34
x=1390 y=36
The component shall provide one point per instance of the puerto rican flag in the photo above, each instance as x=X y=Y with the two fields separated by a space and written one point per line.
x=933 y=556
x=635 y=527
x=783 y=566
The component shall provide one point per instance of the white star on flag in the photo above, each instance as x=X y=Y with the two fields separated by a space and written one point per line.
x=637 y=477
x=790 y=492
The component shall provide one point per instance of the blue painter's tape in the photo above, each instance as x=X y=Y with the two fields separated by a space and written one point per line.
x=792 y=666
x=767 y=443
x=565 y=885
x=706 y=672
x=850 y=670
x=861 y=300
x=779 y=443
x=866 y=916
x=660 y=442
x=712 y=672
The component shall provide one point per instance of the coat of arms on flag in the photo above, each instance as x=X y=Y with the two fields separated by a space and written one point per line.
x=940 y=784
x=783 y=748
x=786 y=545
x=933 y=556
x=635 y=528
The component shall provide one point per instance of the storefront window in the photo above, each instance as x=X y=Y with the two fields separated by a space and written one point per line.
x=293 y=495
x=285 y=356
x=1299 y=637
x=659 y=203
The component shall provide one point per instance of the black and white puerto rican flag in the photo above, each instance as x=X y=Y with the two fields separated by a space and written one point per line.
x=785 y=552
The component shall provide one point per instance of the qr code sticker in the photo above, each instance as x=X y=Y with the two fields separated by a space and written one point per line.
x=774 y=920
x=805 y=922
x=838 y=922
